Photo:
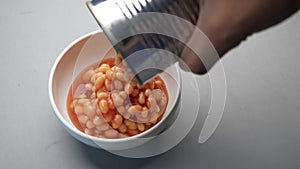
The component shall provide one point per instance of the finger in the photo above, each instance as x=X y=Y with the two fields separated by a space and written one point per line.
x=199 y=53
x=191 y=62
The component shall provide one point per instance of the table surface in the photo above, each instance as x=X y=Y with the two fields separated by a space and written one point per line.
x=260 y=127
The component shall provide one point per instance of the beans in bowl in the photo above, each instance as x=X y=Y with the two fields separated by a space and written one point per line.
x=105 y=101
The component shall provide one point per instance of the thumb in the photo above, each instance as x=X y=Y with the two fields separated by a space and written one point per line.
x=199 y=54
x=191 y=62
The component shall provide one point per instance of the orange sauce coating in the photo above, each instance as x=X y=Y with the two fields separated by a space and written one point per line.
x=92 y=123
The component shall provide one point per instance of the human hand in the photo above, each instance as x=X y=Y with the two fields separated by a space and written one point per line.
x=228 y=22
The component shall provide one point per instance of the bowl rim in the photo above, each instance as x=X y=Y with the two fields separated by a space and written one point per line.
x=93 y=138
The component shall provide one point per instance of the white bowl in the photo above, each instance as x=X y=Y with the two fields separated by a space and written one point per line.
x=83 y=52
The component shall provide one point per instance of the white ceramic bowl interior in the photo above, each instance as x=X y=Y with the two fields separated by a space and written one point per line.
x=85 y=51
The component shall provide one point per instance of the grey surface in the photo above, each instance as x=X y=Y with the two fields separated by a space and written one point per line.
x=260 y=126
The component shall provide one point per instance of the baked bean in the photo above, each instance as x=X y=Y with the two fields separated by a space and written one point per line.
x=123 y=95
x=158 y=83
x=97 y=121
x=102 y=95
x=114 y=95
x=89 y=110
x=130 y=124
x=82 y=96
x=93 y=78
x=108 y=85
x=121 y=109
x=135 y=109
x=90 y=124
x=123 y=128
x=88 y=132
x=111 y=104
x=128 y=89
x=132 y=132
x=126 y=115
x=145 y=108
x=83 y=119
x=98 y=74
x=141 y=98
x=88 y=86
x=103 y=127
x=85 y=103
x=89 y=103
x=143 y=120
x=147 y=92
x=127 y=77
x=118 y=84
x=141 y=126
x=111 y=133
x=117 y=121
x=74 y=102
x=99 y=81
x=97 y=132
x=103 y=68
x=109 y=74
x=118 y=101
x=108 y=116
x=120 y=76
x=103 y=106
x=144 y=112
x=78 y=109
x=153 y=121
x=115 y=68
